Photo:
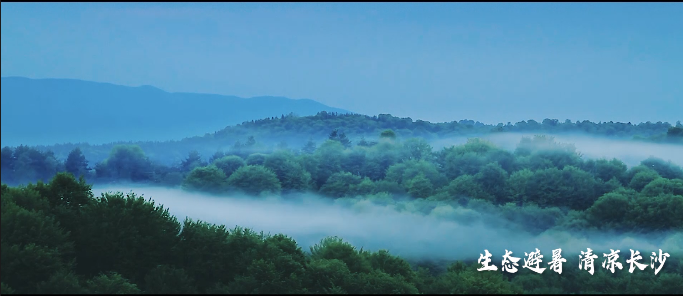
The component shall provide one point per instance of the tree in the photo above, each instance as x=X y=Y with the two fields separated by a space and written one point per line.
x=193 y=160
x=665 y=169
x=457 y=163
x=203 y=251
x=405 y=171
x=344 y=140
x=608 y=211
x=229 y=164
x=389 y=187
x=111 y=283
x=167 y=279
x=127 y=162
x=336 y=248
x=292 y=176
x=661 y=186
x=67 y=197
x=378 y=282
x=279 y=267
x=341 y=184
x=254 y=180
x=334 y=135
x=309 y=148
x=493 y=179
x=354 y=161
x=7 y=164
x=417 y=149
x=379 y=158
x=471 y=281
x=276 y=162
x=61 y=282
x=115 y=225
x=29 y=165
x=208 y=179
x=26 y=266
x=328 y=276
x=366 y=187
x=256 y=159
x=675 y=132
x=466 y=186
x=390 y=264
x=518 y=184
x=569 y=187
x=341 y=138
x=545 y=153
x=420 y=187
x=388 y=134
x=34 y=246
x=642 y=178
x=329 y=158
x=216 y=156
x=76 y=163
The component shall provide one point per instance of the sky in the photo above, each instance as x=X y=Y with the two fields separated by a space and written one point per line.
x=491 y=62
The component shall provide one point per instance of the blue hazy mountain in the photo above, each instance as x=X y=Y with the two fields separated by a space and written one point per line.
x=50 y=111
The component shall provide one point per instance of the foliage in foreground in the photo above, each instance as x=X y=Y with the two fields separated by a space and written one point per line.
x=58 y=238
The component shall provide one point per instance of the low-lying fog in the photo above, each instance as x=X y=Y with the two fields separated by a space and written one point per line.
x=629 y=151
x=308 y=219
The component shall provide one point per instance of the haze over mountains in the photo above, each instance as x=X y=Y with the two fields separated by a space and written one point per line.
x=50 y=111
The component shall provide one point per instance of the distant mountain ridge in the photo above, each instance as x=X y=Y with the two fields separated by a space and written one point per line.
x=53 y=111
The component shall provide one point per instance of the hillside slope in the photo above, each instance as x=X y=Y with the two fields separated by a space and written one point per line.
x=51 y=111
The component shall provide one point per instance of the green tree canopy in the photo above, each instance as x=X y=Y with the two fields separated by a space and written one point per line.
x=255 y=179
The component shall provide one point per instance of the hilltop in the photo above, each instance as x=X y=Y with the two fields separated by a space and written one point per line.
x=53 y=111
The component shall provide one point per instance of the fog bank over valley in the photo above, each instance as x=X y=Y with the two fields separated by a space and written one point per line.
x=308 y=219
x=591 y=147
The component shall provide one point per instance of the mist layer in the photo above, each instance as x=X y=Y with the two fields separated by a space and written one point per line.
x=308 y=219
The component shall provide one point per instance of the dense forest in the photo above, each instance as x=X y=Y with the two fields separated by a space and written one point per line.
x=294 y=131
x=75 y=242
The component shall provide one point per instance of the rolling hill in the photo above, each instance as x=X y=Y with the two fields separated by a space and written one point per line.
x=51 y=111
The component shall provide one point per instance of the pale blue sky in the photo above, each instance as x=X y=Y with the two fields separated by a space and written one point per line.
x=492 y=62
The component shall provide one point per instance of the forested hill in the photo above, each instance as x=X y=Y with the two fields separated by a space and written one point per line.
x=294 y=131
x=363 y=125
x=49 y=111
